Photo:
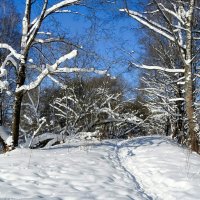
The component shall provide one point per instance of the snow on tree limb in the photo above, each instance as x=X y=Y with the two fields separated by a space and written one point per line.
x=176 y=15
x=60 y=5
x=13 y=51
x=55 y=8
x=44 y=13
x=176 y=99
x=56 y=81
x=42 y=122
x=25 y=24
x=76 y=69
x=48 y=70
x=150 y=24
x=34 y=30
x=158 y=68
x=49 y=40
x=44 y=33
x=54 y=69
x=9 y=58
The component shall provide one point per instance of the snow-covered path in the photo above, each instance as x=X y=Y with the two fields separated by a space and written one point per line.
x=67 y=173
x=146 y=168
x=165 y=170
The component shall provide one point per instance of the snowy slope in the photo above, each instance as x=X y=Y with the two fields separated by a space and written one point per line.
x=75 y=172
x=163 y=170
x=143 y=168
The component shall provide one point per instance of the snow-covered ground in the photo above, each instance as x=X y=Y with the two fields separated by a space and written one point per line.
x=163 y=170
x=142 y=168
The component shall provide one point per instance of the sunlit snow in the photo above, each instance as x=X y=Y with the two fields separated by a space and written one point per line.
x=143 y=168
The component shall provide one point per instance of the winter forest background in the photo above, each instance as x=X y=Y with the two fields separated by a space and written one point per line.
x=104 y=69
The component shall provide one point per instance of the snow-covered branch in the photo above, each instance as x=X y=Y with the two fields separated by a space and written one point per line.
x=42 y=122
x=48 y=70
x=48 y=40
x=60 y=5
x=35 y=28
x=84 y=70
x=176 y=99
x=13 y=51
x=150 y=24
x=158 y=68
x=174 y=14
x=54 y=9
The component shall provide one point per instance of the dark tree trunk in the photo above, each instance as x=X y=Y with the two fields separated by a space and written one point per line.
x=17 y=105
x=21 y=73
x=189 y=90
x=16 y=118
x=179 y=127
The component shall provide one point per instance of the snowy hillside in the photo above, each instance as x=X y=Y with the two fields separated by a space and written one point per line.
x=142 y=168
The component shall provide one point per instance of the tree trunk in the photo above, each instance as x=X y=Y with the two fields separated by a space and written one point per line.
x=192 y=123
x=16 y=117
x=17 y=104
x=179 y=127
x=189 y=95
x=21 y=73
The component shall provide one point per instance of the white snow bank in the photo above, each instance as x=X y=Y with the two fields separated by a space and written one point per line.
x=163 y=169
x=73 y=171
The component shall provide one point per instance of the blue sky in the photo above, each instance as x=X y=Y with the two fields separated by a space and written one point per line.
x=110 y=34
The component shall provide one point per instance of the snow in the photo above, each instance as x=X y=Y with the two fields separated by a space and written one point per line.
x=66 y=172
x=3 y=72
x=176 y=99
x=140 y=168
x=84 y=70
x=89 y=135
x=162 y=168
x=172 y=13
x=30 y=60
x=158 y=68
x=45 y=72
x=8 y=47
x=188 y=61
x=5 y=135
x=59 y=5
x=44 y=33
x=3 y=85
x=150 y=24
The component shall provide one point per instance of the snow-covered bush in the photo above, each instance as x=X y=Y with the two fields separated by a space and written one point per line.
x=93 y=105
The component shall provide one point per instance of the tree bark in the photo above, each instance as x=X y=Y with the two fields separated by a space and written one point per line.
x=17 y=105
x=179 y=127
x=21 y=73
x=192 y=123
x=16 y=118
x=189 y=95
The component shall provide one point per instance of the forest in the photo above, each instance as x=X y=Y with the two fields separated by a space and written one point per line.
x=103 y=71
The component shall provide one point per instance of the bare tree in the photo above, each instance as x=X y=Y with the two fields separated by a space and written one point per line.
x=31 y=35
x=178 y=28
